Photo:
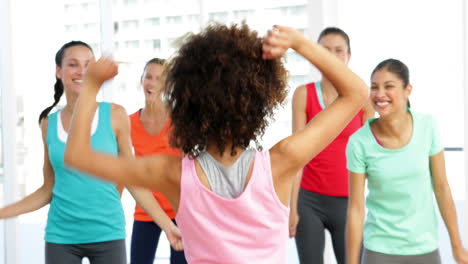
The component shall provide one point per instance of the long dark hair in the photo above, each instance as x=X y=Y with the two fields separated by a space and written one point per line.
x=396 y=67
x=58 y=86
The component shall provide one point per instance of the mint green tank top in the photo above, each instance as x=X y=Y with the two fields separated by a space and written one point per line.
x=83 y=209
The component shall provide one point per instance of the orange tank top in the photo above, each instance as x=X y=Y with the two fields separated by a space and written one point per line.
x=145 y=144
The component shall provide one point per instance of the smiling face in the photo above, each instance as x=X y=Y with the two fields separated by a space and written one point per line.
x=151 y=81
x=73 y=67
x=388 y=95
x=337 y=45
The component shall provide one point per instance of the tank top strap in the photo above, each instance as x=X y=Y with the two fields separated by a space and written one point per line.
x=313 y=106
x=52 y=133
x=104 y=127
x=262 y=168
x=188 y=175
x=262 y=179
x=311 y=90
x=228 y=182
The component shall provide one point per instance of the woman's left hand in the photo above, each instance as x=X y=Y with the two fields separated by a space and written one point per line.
x=175 y=238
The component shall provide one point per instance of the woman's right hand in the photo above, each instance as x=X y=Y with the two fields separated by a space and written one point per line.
x=100 y=71
x=278 y=40
x=293 y=221
x=175 y=238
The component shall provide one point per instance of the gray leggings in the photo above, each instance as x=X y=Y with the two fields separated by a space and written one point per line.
x=372 y=257
x=98 y=253
x=318 y=212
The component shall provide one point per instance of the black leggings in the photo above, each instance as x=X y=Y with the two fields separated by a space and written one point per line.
x=98 y=253
x=145 y=238
x=318 y=212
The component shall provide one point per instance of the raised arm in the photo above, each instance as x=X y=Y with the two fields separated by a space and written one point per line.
x=158 y=172
x=355 y=218
x=142 y=196
x=292 y=153
x=41 y=196
x=299 y=121
x=369 y=112
x=446 y=206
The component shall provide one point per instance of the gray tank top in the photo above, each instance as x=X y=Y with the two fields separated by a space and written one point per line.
x=227 y=182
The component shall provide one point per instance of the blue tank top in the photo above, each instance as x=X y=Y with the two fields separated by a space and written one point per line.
x=83 y=209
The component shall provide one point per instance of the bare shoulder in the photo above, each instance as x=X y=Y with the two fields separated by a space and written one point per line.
x=44 y=125
x=368 y=111
x=118 y=111
x=300 y=93
x=299 y=100
x=278 y=152
x=174 y=164
x=119 y=117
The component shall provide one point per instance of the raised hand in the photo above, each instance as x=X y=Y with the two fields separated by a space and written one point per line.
x=100 y=71
x=278 y=40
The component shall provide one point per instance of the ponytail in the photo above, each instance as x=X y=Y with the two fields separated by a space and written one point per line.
x=58 y=88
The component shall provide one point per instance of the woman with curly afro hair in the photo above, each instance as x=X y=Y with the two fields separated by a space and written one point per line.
x=221 y=88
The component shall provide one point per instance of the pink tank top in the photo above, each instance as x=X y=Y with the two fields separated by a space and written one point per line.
x=252 y=228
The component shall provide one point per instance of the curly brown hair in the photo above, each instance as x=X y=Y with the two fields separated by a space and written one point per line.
x=219 y=89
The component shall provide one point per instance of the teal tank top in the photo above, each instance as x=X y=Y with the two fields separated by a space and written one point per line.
x=83 y=209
